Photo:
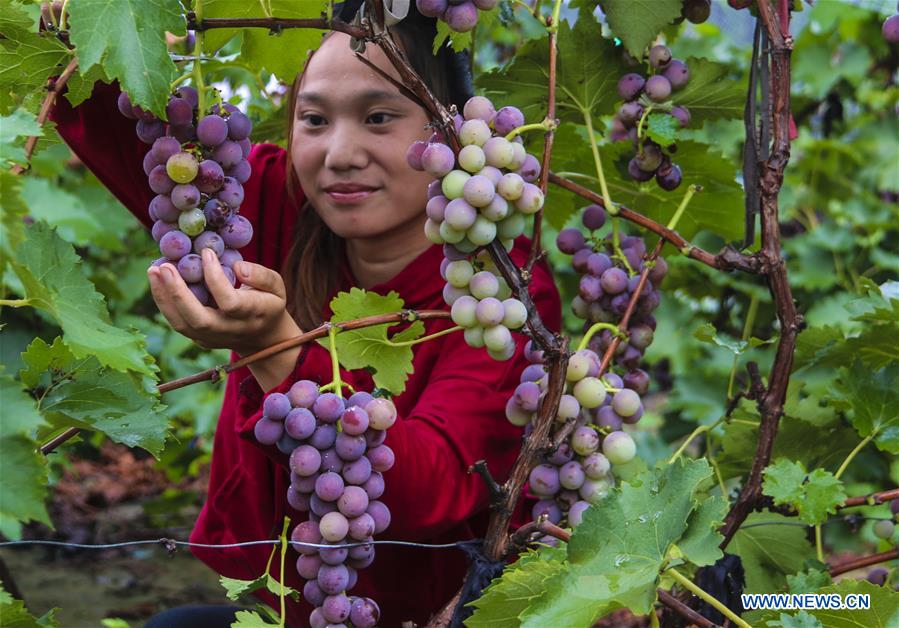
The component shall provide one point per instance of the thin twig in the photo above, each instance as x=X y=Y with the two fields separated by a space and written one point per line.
x=684 y=611
x=495 y=490
x=53 y=89
x=864 y=561
x=275 y=24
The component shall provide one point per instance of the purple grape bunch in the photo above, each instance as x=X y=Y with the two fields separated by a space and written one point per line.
x=460 y=15
x=482 y=194
x=197 y=167
x=337 y=463
x=578 y=473
x=639 y=94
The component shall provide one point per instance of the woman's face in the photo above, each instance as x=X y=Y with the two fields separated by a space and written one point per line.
x=350 y=135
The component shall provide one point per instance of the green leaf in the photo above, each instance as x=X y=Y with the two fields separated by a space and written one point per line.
x=662 y=128
x=47 y=201
x=883 y=611
x=13 y=614
x=23 y=470
x=711 y=93
x=114 y=622
x=128 y=38
x=770 y=546
x=27 y=58
x=814 y=495
x=279 y=53
x=235 y=588
x=699 y=544
x=502 y=603
x=637 y=22
x=587 y=75
x=808 y=581
x=12 y=215
x=81 y=84
x=20 y=123
x=82 y=393
x=249 y=619
x=800 y=620
x=370 y=347
x=54 y=282
x=457 y=41
x=616 y=553
x=874 y=399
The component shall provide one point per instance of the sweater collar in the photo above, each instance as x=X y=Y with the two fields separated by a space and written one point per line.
x=418 y=283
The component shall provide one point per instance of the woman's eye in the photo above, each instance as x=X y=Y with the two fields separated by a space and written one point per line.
x=380 y=117
x=312 y=119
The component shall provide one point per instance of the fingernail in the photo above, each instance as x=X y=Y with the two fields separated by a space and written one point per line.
x=167 y=274
x=206 y=253
x=242 y=268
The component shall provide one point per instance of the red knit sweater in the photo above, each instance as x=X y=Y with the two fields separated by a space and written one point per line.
x=451 y=413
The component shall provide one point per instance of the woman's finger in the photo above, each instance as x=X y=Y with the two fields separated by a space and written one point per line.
x=261 y=278
x=161 y=296
x=197 y=318
x=220 y=288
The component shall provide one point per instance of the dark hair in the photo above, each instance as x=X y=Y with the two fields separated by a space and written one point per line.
x=312 y=269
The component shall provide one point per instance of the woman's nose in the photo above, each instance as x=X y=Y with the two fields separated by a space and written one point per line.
x=346 y=149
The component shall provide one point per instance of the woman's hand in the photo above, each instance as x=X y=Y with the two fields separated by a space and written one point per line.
x=248 y=319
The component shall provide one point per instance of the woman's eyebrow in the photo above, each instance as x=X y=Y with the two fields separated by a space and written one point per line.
x=362 y=97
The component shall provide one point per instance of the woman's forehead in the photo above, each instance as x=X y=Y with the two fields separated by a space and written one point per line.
x=335 y=67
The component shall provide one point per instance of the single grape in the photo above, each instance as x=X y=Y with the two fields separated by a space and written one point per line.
x=544 y=480
x=619 y=448
x=237 y=232
x=484 y=284
x=510 y=186
x=231 y=193
x=438 y=159
x=596 y=466
x=570 y=241
x=267 y=431
x=472 y=158
x=677 y=74
x=190 y=267
x=630 y=113
x=576 y=513
x=478 y=107
x=380 y=513
x=659 y=57
x=482 y=232
x=594 y=217
x=890 y=29
x=877 y=576
x=884 y=529
x=510 y=227
x=364 y=612
x=163 y=148
x=178 y=111
x=507 y=119
x=453 y=184
x=174 y=245
x=159 y=180
x=571 y=475
x=201 y=293
x=431 y=8
x=658 y=88
x=305 y=460
x=148 y=131
x=630 y=86
x=228 y=154
x=336 y=608
x=192 y=222
x=584 y=441
x=239 y=126
x=498 y=152
x=515 y=314
x=125 y=107
x=594 y=491
x=381 y=413
x=497 y=338
x=682 y=114
x=160 y=228
x=669 y=178
x=636 y=172
x=474 y=131
x=531 y=199
x=697 y=11
x=478 y=191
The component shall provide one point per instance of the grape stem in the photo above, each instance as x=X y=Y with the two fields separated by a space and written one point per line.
x=545 y=126
x=281 y=595
x=409 y=343
x=699 y=430
x=853 y=453
x=15 y=302
x=640 y=128
x=535 y=12
x=335 y=364
x=819 y=545
x=688 y=196
x=181 y=79
x=197 y=69
x=695 y=590
x=598 y=327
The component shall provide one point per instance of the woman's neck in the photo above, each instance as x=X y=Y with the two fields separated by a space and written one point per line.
x=379 y=259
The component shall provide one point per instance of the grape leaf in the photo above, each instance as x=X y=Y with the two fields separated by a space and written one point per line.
x=279 y=53
x=54 y=282
x=48 y=201
x=82 y=393
x=699 y=543
x=808 y=581
x=770 y=546
x=249 y=619
x=370 y=347
x=502 y=603
x=874 y=399
x=587 y=75
x=128 y=38
x=883 y=611
x=12 y=215
x=15 y=615
x=616 y=553
x=711 y=93
x=637 y=22
x=23 y=470
x=81 y=84
x=20 y=123
x=661 y=128
x=814 y=495
x=800 y=620
x=27 y=58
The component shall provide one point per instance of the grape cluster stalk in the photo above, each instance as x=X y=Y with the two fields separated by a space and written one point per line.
x=642 y=97
x=577 y=472
x=196 y=166
x=480 y=195
x=337 y=461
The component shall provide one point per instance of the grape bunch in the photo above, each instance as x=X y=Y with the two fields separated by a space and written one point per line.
x=337 y=461
x=197 y=172
x=643 y=96
x=482 y=194
x=578 y=472
x=460 y=15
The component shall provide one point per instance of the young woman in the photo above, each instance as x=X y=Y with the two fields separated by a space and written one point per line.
x=340 y=208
